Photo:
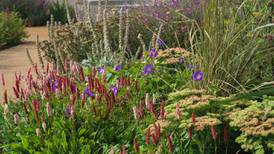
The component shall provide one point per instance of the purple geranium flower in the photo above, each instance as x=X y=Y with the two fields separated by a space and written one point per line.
x=118 y=68
x=160 y=42
x=197 y=75
x=148 y=69
x=55 y=86
x=153 y=53
x=114 y=90
x=88 y=92
x=101 y=70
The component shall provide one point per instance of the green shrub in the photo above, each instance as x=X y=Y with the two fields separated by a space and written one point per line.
x=11 y=29
x=58 y=10
x=34 y=12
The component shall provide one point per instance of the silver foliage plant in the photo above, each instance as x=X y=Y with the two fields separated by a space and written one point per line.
x=88 y=40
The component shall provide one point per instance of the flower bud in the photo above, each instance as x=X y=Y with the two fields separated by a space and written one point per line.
x=16 y=118
x=38 y=132
x=48 y=109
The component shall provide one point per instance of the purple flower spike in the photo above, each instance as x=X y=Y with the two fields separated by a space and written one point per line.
x=197 y=75
x=101 y=70
x=153 y=53
x=148 y=69
x=118 y=68
x=160 y=42
x=88 y=92
x=114 y=90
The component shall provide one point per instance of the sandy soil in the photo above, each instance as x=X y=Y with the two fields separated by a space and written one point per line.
x=15 y=59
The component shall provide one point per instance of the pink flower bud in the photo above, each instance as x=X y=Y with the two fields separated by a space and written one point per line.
x=135 y=112
x=38 y=132
x=48 y=109
x=16 y=118
x=5 y=97
x=44 y=126
x=153 y=99
x=36 y=105
x=147 y=102
x=178 y=112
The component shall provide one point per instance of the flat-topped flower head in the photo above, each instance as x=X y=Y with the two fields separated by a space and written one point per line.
x=153 y=53
x=118 y=68
x=197 y=75
x=101 y=69
x=148 y=69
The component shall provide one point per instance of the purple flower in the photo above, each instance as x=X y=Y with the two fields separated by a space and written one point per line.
x=55 y=86
x=181 y=60
x=197 y=75
x=175 y=3
x=153 y=53
x=88 y=92
x=189 y=66
x=118 y=68
x=68 y=112
x=148 y=69
x=114 y=90
x=160 y=42
x=101 y=69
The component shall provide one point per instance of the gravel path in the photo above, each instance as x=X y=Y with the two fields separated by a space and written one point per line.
x=15 y=59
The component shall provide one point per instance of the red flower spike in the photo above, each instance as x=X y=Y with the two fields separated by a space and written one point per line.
x=36 y=105
x=83 y=99
x=72 y=99
x=154 y=139
x=169 y=141
x=5 y=97
x=15 y=92
x=136 y=85
x=3 y=80
x=190 y=133
x=214 y=133
x=136 y=145
x=193 y=117
x=152 y=110
x=36 y=68
x=162 y=111
x=47 y=68
x=82 y=77
x=225 y=134
x=148 y=136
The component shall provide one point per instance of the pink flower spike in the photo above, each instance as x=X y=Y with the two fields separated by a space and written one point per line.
x=147 y=102
x=5 y=97
x=136 y=145
x=213 y=132
x=169 y=139
x=36 y=105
